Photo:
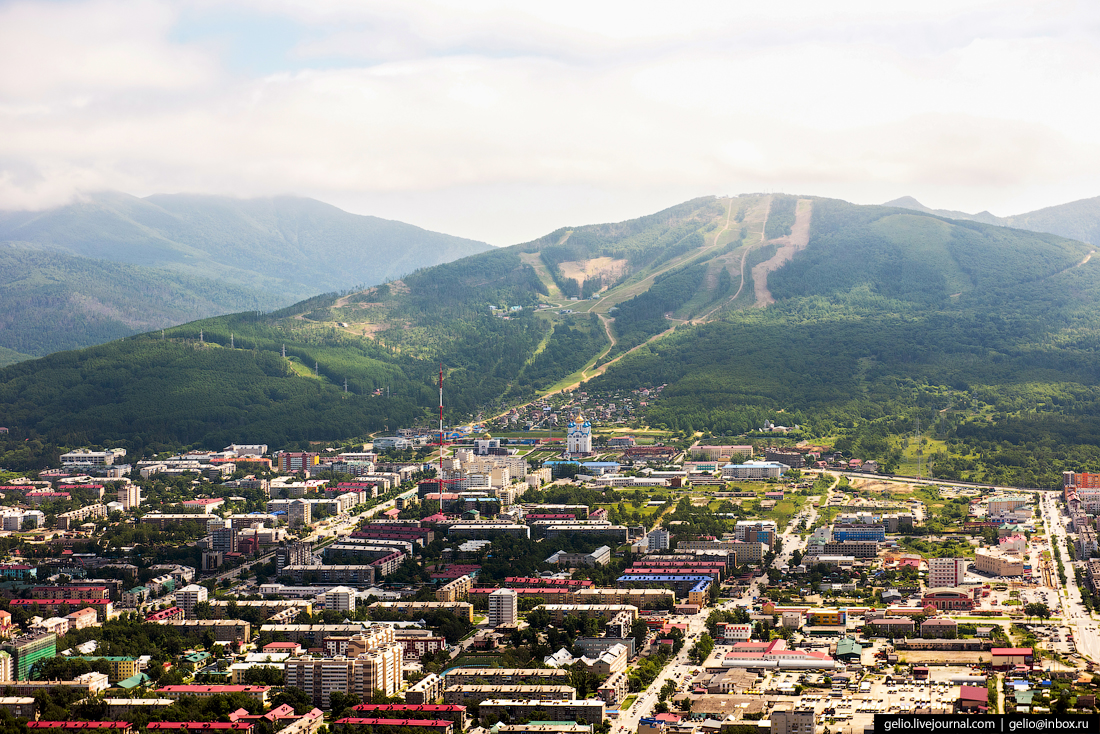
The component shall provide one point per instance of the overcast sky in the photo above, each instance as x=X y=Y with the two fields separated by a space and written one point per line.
x=502 y=121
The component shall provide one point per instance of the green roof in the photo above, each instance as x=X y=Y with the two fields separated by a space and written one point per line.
x=139 y=679
x=1024 y=697
x=848 y=646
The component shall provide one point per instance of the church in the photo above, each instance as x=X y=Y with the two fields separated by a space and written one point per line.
x=579 y=437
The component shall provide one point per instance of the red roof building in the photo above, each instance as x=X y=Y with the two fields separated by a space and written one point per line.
x=433 y=725
x=122 y=727
x=973 y=698
x=201 y=725
x=176 y=692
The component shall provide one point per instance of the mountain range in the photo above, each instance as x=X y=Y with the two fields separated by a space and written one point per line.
x=852 y=321
x=1078 y=220
x=112 y=264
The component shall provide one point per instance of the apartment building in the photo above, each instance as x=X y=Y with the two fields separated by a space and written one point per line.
x=793 y=721
x=461 y=608
x=507 y=676
x=503 y=607
x=457 y=590
x=589 y=710
x=380 y=668
x=469 y=695
x=946 y=572
x=189 y=597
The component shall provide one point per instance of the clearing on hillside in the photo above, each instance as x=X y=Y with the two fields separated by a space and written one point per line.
x=788 y=246
x=606 y=269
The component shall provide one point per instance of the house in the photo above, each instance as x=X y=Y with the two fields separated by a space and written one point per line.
x=972 y=699
x=939 y=627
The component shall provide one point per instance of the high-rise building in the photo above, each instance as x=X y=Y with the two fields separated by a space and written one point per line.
x=298 y=553
x=7 y=668
x=28 y=650
x=299 y=513
x=503 y=607
x=944 y=572
x=579 y=436
x=189 y=597
x=129 y=495
x=224 y=540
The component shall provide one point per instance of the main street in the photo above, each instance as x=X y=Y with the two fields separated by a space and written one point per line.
x=1074 y=614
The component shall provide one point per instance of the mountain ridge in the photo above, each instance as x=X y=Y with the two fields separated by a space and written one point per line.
x=252 y=253
x=1078 y=220
x=886 y=315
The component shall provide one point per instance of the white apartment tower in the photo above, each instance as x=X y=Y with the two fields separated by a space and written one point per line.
x=189 y=597
x=579 y=436
x=503 y=607
x=340 y=599
x=946 y=572
x=129 y=495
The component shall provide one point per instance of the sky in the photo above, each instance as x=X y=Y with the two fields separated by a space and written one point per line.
x=502 y=121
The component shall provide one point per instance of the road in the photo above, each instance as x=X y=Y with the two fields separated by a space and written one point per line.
x=1074 y=614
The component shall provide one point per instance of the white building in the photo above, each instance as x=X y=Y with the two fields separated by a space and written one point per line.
x=754 y=470
x=945 y=572
x=190 y=597
x=340 y=599
x=503 y=607
x=579 y=436
x=85 y=458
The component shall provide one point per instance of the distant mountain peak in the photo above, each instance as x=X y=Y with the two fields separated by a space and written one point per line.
x=908 y=202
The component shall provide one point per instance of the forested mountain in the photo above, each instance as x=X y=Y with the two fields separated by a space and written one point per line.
x=1078 y=220
x=114 y=264
x=50 y=301
x=850 y=320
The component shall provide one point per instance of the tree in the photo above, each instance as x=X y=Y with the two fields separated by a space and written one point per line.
x=294 y=696
x=1037 y=609
x=339 y=702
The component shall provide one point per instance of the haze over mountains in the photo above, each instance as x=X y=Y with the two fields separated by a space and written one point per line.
x=851 y=320
x=114 y=264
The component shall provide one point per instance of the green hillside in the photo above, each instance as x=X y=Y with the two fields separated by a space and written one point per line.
x=50 y=301
x=878 y=316
x=114 y=265
x=299 y=246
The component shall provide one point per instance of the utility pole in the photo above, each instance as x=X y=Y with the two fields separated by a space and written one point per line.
x=919 y=450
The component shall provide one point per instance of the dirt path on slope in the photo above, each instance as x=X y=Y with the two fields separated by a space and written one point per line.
x=744 y=256
x=793 y=243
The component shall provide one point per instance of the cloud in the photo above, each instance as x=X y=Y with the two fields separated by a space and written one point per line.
x=547 y=108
